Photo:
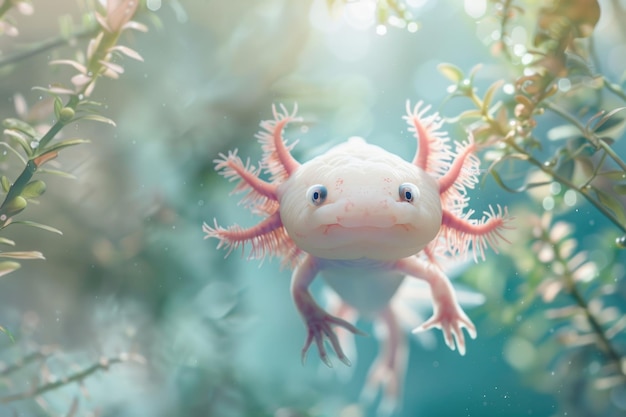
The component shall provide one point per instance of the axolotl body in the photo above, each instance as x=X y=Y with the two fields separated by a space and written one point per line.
x=365 y=220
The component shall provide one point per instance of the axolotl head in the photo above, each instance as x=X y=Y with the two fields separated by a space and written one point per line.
x=359 y=201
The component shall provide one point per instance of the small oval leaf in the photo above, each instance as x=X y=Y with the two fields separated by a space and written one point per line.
x=34 y=189
x=6 y=267
x=37 y=225
x=451 y=72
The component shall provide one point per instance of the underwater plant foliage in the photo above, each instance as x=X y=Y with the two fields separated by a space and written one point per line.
x=113 y=112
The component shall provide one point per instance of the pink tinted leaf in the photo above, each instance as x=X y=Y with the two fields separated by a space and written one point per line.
x=24 y=8
x=119 y=13
x=549 y=289
x=80 y=80
x=93 y=45
x=135 y=26
x=78 y=66
x=103 y=22
x=89 y=89
x=131 y=53
x=21 y=108
x=559 y=230
x=586 y=272
x=118 y=69
x=55 y=90
x=22 y=255
x=546 y=254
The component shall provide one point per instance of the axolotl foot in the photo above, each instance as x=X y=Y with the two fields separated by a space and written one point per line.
x=451 y=319
x=319 y=328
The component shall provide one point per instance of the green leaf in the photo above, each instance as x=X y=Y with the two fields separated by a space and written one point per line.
x=519 y=189
x=612 y=203
x=20 y=139
x=97 y=118
x=6 y=267
x=474 y=71
x=565 y=168
x=16 y=205
x=6 y=184
x=617 y=175
x=489 y=94
x=56 y=172
x=562 y=132
x=8 y=333
x=64 y=144
x=13 y=151
x=468 y=114
x=451 y=72
x=620 y=189
x=58 y=105
x=607 y=121
x=5 y=241
x=34 y=189
x=38 y=225
x=19 y=125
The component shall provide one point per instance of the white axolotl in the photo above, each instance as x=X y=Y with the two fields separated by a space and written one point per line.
x=365 y=220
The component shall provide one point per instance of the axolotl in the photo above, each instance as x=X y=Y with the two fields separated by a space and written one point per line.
x=365 y=220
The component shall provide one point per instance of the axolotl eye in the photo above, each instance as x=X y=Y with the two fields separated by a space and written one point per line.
x=316 y=194
x=408 y=192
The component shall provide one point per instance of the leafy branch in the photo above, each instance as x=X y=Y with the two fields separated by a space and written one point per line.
x=35 y=150
x=554 y=85
x=512 y=137
x=87 y=32
x=39 y=389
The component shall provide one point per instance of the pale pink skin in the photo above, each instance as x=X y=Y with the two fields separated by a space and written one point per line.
x=364 y=238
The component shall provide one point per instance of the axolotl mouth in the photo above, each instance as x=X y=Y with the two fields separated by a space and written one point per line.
x=361 y=232
x=369 y=229
x=388 y=214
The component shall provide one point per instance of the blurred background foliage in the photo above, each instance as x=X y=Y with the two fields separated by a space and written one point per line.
x=133 y=314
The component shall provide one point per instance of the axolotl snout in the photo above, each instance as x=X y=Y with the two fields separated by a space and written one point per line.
x=365 y=220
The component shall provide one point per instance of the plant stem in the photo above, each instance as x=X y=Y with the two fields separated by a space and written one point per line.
x=31 y=166
x=598 y=142
x=570 y=286
x=6 y=6
x=31 y=357
x=569 y=184
x=77 y=377
x=47 y=45
x=604 y=342
x=614 y=88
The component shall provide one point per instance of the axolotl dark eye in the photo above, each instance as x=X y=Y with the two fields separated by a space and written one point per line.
x=408 y=192
x=316 y=194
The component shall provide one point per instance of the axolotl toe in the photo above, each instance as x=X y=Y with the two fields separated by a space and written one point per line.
x=365 y=219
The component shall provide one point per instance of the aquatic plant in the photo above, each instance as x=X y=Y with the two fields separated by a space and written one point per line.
x=550 y=127
x=32 y=142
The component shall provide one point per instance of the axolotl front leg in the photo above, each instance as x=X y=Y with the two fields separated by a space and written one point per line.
x=447 y=315
x=318 y=322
